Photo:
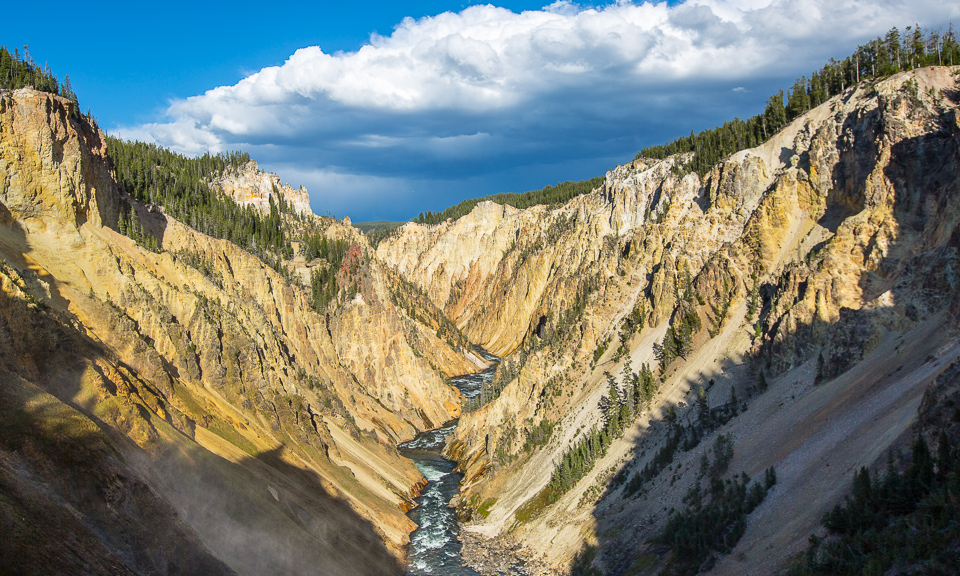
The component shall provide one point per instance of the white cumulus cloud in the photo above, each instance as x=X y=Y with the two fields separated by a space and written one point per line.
x=487 y=90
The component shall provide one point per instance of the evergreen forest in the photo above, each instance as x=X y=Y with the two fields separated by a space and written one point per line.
x=181 y=185
x=902 y=520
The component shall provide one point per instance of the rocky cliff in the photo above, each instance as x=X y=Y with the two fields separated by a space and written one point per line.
x=250 y=186
x=821 y=263
x=216 y=399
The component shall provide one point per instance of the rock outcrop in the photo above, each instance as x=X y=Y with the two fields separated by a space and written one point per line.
x=250 y=186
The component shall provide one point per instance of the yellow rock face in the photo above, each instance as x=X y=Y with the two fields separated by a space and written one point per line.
x=843 y=225
x=229 y=362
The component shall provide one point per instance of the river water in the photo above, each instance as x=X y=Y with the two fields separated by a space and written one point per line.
x=434 y=549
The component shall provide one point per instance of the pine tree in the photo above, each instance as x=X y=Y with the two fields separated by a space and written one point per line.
x=944 y=457
x=612 y=408
x=799 y=100
x=821 y=369
x=920 y=473
x=917 y=47
x=894 y=52
x=648 y=384
x=703 y=409
x=775 y=115
x=687 y=285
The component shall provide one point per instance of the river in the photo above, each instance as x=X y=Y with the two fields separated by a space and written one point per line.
x=434 y=549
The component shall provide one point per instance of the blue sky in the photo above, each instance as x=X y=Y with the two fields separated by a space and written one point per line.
x=385 y=109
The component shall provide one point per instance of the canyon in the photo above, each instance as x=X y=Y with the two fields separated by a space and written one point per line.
x=187 y=409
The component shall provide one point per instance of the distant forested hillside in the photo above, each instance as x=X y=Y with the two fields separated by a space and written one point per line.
x=375 y=226
x=549 y=195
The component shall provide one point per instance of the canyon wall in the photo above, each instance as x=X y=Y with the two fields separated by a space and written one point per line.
x=822 y=263
x=262 y=429
x=193 y=396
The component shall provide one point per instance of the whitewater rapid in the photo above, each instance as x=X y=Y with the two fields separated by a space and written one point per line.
x=434 y=548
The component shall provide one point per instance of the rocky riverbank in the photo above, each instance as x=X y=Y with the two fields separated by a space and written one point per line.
x=500 y=556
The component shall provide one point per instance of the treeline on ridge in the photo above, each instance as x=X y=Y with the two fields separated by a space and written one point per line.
x=181 y=185
x=549 y=195
x=877 y=59
x=21 y=71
